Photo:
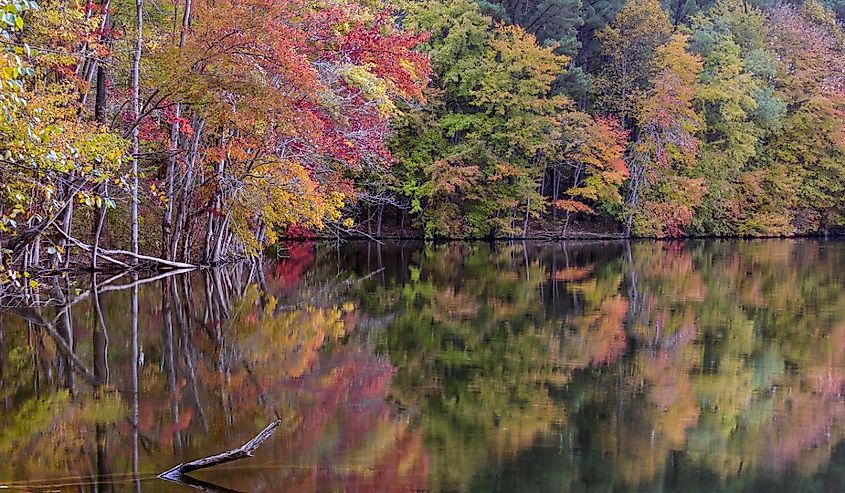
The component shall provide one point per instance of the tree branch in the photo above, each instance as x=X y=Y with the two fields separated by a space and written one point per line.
x=242 y=452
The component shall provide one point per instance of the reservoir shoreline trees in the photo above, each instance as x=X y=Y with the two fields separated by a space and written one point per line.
x=162 y=135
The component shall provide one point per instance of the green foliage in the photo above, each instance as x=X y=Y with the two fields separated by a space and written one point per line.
x=629 y=45
x=711 y=94
x=550 y=21
x=470 y=160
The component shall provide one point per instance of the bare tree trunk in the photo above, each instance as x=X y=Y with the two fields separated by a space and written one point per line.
x=218 y=241
x=187 y=189
x=170 y=176
x=100 y=104
x=636 y=182
x=136 y=109
x=402 y=222
x=186 y=23
x=67 y=222
x=98 y=227
x=167 y=233
x=216 y=225
x=101 y=97
x=36 y=252
x=525 y=222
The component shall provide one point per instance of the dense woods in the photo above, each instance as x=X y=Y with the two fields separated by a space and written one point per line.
x=172 y=134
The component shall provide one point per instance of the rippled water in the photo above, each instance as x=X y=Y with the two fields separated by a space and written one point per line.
x=606 y=366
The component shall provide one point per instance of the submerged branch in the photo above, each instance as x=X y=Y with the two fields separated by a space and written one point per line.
x=242 y=452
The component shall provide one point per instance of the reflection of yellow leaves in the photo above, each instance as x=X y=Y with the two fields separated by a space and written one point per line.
x=294 y=335
x=380 y=442
x=32 y=417
x=105 y=408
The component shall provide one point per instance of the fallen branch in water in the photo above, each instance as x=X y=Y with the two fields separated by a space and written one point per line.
x=242 y=452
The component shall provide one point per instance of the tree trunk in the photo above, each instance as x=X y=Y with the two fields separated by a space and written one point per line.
x=170 y=176
x=67 y=223
x=101 y=98
x=525 y=222
x=100 y=105
x=187 y=189
x=246 y=450
x=136 y=110
x=168 y=249
x=98 y=227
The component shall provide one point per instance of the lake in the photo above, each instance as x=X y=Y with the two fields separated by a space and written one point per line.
x=454 y=367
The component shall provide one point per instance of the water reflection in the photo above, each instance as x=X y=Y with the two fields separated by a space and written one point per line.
x=456 y=367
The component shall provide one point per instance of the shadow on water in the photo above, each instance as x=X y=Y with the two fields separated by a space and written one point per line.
x=672 y=366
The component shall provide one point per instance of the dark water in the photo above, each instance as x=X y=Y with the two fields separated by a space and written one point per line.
x=695 y=366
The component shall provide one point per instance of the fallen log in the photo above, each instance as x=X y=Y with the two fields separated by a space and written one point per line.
x=103 y=252
x=242 y=452
x=156 y=260
x=88 y=248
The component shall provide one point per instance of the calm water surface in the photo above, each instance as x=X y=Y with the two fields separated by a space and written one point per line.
x=461 y=367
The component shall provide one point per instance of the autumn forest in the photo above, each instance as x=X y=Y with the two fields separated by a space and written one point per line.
x=187 y=132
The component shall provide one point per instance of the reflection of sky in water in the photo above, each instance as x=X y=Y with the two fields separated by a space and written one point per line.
x=453 y=367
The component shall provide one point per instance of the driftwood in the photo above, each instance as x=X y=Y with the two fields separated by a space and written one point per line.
x=242 y=452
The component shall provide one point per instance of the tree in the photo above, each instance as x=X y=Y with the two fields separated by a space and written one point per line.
x=476 y=159
x=593 y=159
x=628 y=56
x=550 y=21
x=663 y=194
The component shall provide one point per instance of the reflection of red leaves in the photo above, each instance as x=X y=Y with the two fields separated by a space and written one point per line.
x=572 y=273
x=801 y=423
x=288 y=271
x=609 y=335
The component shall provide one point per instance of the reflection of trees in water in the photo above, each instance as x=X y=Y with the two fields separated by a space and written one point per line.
x=722 y=357
x=477 y=354
x=217 y=357
x=735 y=367
x=756 y=328
x=448 y=367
